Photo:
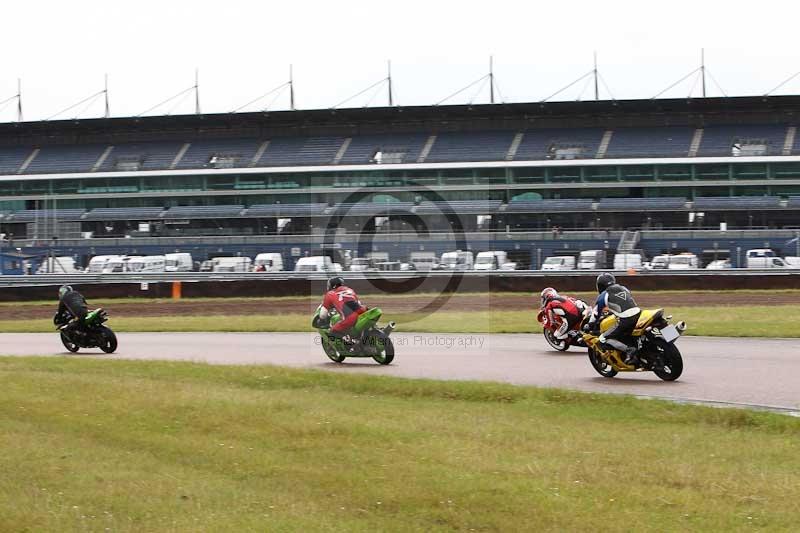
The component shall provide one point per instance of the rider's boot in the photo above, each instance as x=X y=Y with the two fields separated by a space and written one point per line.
x=628 y=351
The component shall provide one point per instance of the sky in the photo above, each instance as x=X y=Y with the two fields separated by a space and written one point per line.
x=242 y=49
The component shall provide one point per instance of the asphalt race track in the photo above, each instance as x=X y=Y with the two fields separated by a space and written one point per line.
x=755 y=372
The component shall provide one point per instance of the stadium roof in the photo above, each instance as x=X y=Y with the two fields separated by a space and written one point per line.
x=603 y=113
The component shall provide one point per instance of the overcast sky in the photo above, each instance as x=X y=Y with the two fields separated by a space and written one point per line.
x=150 y=49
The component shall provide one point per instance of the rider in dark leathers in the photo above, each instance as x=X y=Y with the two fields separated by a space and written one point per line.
x=72 y=309
x=619 y=301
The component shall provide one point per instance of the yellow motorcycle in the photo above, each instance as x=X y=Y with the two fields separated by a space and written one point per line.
x=655 y=342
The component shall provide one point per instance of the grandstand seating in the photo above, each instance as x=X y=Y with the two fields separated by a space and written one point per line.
x=201 y=151
x=285 y=210
x=12 y=157
x=471 y=146
x=650 y=142
x=461 y=207
x=641 y=204
x=32 y=215
x=288 y=151
x=536 y=143
x=737 y=202
x=370 y=208
x=66 y=158
x=363 y=147
x=549 y=206
x=717 y=140
x=204 y=211
x=155 y=155
x=123 y=213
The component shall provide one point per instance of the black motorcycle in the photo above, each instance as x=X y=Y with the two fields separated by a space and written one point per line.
x=91 y=334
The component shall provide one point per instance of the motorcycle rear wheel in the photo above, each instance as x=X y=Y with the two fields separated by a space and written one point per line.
x=330 y=351
x=68 y=344
x=108 y=341
x=602 y=368
x=385 y=347
x=560 y=345
x=670 y=356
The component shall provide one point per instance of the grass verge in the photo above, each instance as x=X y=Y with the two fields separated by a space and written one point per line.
x=730 y=321
x=152 y=446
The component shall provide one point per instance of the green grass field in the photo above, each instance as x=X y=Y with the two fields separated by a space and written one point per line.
x=733 y=321
x=94 y=445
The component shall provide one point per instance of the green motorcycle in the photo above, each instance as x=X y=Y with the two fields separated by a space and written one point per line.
x=92 y=334
x=366 y=338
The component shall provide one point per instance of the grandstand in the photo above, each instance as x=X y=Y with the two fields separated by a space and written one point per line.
x=669 y=165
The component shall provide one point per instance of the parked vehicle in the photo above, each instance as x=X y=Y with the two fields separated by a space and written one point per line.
x=232 y=264
x=105 y=264
x=423 y=261
x=660 y=262
x=592 y=260
x=683 y=262
x=58 y=265
x=493 y=260
x=559 y=262
x=764 y=258
x=655 y=338
x=147 y=263
x=719 y=264
x=458 y=260
x=361 y=264
x=626 y=261
x=207 y=265
x=178 y=262
x=268 y=262
x=368 y=340
x=317 y=263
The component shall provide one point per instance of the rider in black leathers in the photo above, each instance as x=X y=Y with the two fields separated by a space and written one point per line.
x=72 y=309
x=619 y=301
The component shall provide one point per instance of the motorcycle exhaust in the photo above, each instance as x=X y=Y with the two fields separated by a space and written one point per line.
x=681 y=327
x=389 y=328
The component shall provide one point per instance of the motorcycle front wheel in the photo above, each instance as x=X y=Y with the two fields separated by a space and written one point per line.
x=108 y=340
x=560 y=345
x=599 y=364
x=330 y=351
x=68 y=344
x=669 y=363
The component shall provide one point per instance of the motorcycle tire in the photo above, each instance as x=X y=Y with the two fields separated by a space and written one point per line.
x=68 y=344
x=602 y=368
x=108 y=340
x=560 y=345
x=386 y=355
x=330 y=351
x=669 y=366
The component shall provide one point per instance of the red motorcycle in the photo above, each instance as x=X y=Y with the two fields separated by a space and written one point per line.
x=549 y=328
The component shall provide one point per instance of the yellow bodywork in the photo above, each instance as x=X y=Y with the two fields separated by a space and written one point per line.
x=613 y=357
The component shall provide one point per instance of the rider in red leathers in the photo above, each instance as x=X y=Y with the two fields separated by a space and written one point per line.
x=565 y=311
x=345 y=300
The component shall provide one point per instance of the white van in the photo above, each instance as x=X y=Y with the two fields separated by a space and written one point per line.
x=683 y=262
x=559 y=262
x=232 y=264
x=64 y=264
x=626 y=261
x=105 y=264
x=764 y=258
x=592 y=260
x=147 y=263
x=268 y=262
x=178 y=262
x=458 y=260
x=495 y=260
x=317 y=263
x=362 y=264
x=423 y=261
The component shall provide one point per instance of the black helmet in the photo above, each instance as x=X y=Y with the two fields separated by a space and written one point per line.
x=604 y=281
x=335 y=282
x=64 y=289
